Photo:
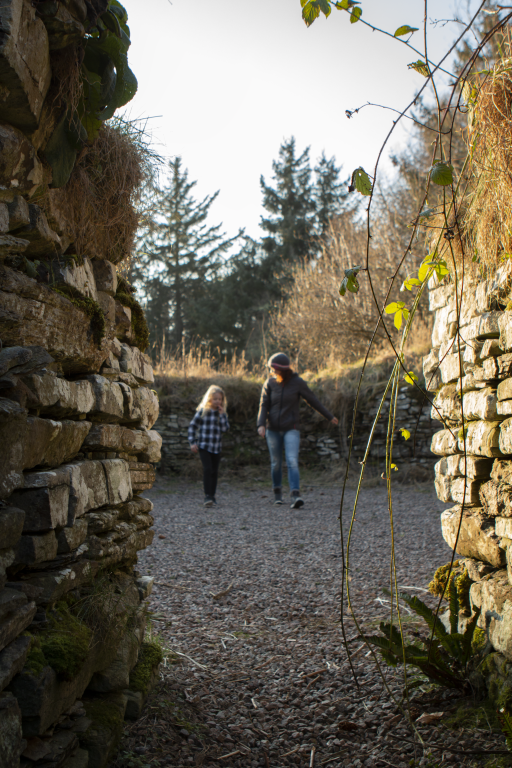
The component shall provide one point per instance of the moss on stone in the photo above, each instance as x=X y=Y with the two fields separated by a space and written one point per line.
x=93 y=311
x=472 y=714
x=150 y=656
x=139 y=325
x=438 y=585
x=64 y=645
x=479 y=641
x=104 y=714
x=36 y=660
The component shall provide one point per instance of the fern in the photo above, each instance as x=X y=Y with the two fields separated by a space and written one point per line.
x=443 y=658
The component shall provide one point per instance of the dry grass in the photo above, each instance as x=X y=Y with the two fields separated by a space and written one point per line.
x=182 y=380
x=203 y=361
x=67 y=84
x=488 y=218
x=101 y=197
x=320 y=328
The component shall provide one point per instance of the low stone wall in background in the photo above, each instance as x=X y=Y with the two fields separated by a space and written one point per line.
x=322 y=445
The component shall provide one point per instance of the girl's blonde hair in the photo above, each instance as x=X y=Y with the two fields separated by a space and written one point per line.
x=205 y=402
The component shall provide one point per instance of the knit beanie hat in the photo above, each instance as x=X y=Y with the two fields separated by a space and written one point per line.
x=279 y=361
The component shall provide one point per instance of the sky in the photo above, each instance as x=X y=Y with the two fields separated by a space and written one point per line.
x=226 y=81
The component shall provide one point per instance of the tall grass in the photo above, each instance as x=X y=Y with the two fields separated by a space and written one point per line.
x=202 y=361
x=182 y=375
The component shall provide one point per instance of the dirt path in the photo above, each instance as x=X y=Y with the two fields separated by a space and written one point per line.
x=247 y=595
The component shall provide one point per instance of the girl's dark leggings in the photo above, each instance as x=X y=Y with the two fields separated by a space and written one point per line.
x=210 y=463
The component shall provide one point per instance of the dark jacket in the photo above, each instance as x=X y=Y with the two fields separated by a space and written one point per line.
x=279 y=404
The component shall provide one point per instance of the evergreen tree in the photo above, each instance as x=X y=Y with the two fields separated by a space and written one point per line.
x=179 y=257
x=232 y=310
x=330 y=194
x=291 y=207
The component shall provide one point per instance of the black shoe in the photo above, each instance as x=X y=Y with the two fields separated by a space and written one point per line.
x=278 y=497
x=297 y=502
x=208 y=501
x=214 y=501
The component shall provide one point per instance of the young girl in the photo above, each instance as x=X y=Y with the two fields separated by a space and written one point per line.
x=211 y=421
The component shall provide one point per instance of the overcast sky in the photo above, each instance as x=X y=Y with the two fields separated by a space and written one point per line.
x=228 y=80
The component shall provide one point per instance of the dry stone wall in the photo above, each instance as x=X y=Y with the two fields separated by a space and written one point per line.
x=321 y=444
x=472 y=394
x=77 y=445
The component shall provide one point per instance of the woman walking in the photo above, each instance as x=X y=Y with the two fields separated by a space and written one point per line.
x=278 y=421
x=210 y=421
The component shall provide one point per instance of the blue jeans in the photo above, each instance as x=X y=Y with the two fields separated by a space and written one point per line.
x=290 y=440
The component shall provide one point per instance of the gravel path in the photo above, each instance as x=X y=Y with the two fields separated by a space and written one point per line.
x=247 y=597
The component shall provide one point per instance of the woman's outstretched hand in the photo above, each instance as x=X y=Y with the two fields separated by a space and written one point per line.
x=335 y=421
x=261 y=431
x=194 y=448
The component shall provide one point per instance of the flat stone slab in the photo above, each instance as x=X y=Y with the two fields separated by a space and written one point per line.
x=12 y=659
x=32 y=314
x=14 y=624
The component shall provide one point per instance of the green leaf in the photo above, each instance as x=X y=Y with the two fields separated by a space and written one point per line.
x=111 y=21
x=405 y=30
x=360 y=181
x=411 y=377
x=120 y=11
x=420 y=66
x=441 y=173
x=344 y=5
x=441 y=269
x=409 y=283
x=453 y=601
x=394 y=466
x=428 y=265
x=311 y=12
x=354 y=16
x=394 y=307
x=350 y=281
x=325 y=7
x=405 y=433
x=399 y=316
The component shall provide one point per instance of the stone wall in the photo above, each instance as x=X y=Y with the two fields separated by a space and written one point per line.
x=472 y=396
x=77 y=447
x=321 y=444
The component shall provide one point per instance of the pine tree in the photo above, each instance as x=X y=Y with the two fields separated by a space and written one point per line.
x=330 y=195
x=291 y=207
x=179 y=257
x=232 y=312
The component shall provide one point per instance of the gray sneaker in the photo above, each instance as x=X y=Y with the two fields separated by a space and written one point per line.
x=297 y=501
x=278 y=497
x=208 y=501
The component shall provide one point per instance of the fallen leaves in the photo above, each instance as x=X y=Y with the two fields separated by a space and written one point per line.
x=429 y=717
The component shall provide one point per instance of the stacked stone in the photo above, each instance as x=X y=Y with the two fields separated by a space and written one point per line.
x=76 y=441
x=473 y=397
x=412 y=414
x=320 y=444
x=78 y=449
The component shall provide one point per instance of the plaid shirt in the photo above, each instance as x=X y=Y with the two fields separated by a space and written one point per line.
x=211 y=425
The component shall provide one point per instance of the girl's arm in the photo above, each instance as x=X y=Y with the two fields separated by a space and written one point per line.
x=192 y=430
x=223 y=422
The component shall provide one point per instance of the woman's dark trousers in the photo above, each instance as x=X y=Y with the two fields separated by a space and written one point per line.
x=210 y=463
